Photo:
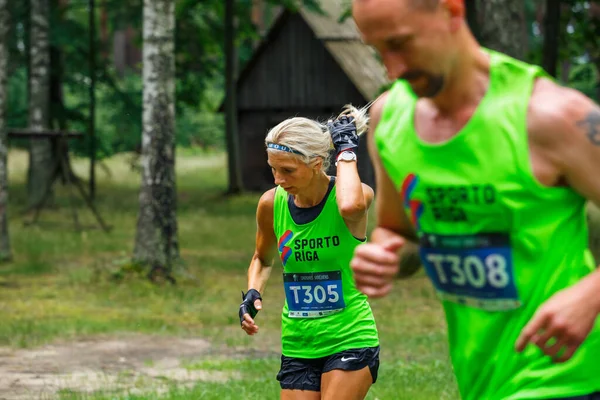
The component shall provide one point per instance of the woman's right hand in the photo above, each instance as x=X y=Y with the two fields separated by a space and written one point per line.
x=248 y=324
x=251 y=305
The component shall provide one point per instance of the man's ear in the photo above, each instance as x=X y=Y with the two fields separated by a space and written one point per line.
x=456 y=7
x=456 y=10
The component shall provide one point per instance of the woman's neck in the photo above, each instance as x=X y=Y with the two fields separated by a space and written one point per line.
x=314 y=193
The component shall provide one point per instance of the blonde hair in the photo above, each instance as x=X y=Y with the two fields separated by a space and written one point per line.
x=311 y=138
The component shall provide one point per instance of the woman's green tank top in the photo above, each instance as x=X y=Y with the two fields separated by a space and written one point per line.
x=494 y=241
x=324 y=313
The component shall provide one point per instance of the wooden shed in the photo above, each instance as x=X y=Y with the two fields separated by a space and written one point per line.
x=307 y=65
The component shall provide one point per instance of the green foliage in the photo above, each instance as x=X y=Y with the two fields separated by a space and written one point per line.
x=118 y=129
x=17 y=98
x=200 y=128
x=580 y=44
x=584 y=77
x=199 y=39
x=199 y=65
x=199 y=58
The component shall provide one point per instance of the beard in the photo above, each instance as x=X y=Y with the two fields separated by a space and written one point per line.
x=424 y=84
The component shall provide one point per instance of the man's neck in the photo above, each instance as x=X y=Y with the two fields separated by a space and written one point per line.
x=468 y=84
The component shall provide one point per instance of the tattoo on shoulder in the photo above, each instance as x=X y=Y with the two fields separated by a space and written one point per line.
x=591 y=124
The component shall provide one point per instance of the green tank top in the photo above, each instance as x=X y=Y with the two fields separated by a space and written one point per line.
x=323 y=313
x=495 y=242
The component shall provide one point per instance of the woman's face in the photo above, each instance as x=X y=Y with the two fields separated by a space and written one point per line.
x=289 y=172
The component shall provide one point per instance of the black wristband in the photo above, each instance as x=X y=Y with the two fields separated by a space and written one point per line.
x=247 y=306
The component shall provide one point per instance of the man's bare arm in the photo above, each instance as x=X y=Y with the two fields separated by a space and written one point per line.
x=564 y=129
x=390 y=214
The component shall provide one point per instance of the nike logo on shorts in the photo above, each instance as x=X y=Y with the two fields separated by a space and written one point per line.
x=344 y=359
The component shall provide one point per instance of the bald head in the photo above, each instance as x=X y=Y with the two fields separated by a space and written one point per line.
x=422 y=4
x=426 y=4
x=418 y=40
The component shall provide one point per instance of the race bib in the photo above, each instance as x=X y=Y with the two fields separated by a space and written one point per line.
x=474 y=270
x=313 y=295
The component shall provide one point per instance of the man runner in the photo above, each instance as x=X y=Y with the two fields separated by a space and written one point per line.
x=487 y=165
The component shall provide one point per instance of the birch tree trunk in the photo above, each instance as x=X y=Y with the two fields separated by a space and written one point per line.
x=41 y=157
x=503 y=26
x=5 y=253
x=156 y=242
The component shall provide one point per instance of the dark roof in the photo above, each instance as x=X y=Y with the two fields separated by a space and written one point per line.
x=342 y=40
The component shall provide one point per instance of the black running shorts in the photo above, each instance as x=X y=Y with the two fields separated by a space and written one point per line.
x=305 y=373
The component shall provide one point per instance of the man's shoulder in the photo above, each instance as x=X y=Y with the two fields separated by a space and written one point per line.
x=376 y=109
x=398 y=94
x=552 y=109
x=548 y=95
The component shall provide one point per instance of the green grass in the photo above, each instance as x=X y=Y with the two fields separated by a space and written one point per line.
x=59 y=287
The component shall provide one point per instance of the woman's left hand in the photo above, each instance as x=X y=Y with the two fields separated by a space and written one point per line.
x=343 y=133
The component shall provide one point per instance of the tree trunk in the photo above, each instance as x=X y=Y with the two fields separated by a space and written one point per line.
x=551 y=33
x=92 y=94
x=103 y=32
x=504 y=26
x=156 y=242
x=58 y=117
x=233 y=156
x=41 y=157
x=5 y=253
x=58 y=112
x=472 y=19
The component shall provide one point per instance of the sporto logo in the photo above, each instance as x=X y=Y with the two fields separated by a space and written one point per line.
x=285 y=251
x=416 y=206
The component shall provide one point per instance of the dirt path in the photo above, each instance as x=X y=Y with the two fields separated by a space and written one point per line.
x=103 y=362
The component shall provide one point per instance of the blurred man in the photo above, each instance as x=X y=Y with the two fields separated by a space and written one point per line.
x=487 y=165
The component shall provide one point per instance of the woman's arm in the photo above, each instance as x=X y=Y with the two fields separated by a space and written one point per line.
x=262 y=260
x=353 y=198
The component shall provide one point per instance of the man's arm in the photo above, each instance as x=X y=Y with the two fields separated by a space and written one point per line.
x=564 y=131
x=388 y=207
x=573 y=146
x=564 y=136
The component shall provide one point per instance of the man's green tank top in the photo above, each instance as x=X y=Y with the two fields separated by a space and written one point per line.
x=494 y=241
x=324 y=313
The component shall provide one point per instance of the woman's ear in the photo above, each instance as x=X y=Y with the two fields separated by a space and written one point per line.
x=317 y=165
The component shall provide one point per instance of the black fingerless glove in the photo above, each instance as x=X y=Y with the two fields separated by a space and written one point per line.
x=247 y=306
x=343 y=134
